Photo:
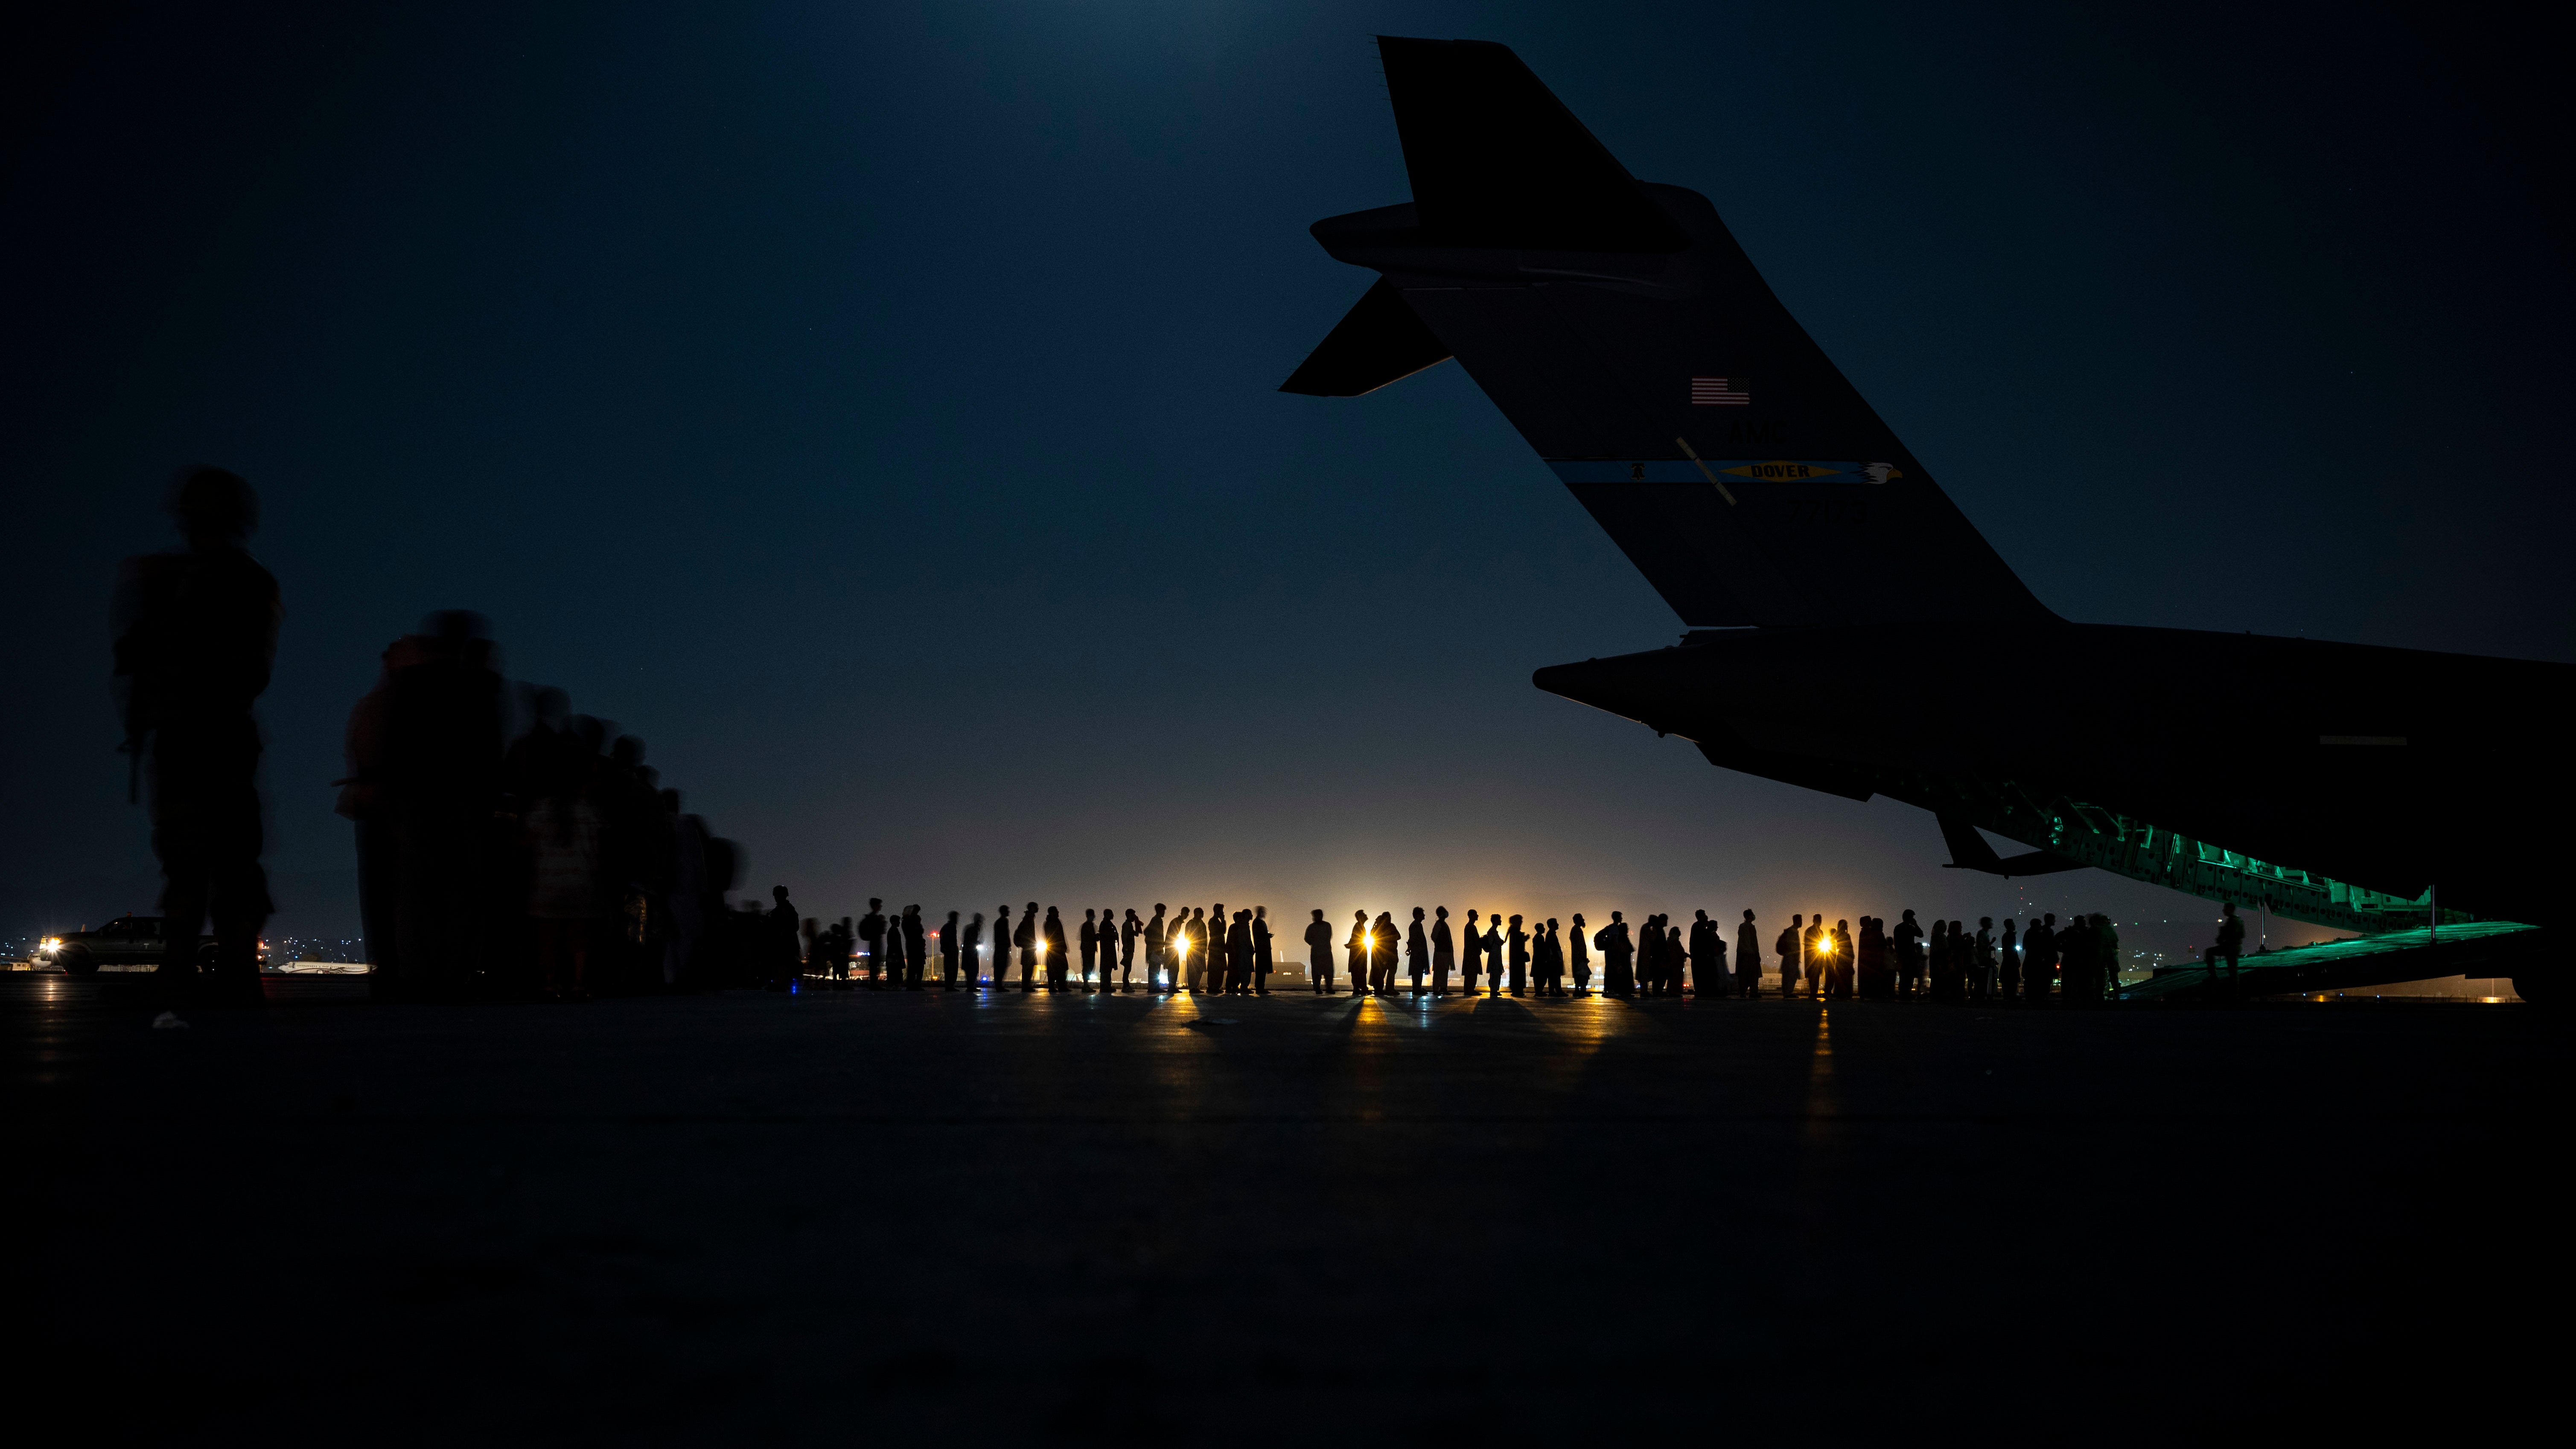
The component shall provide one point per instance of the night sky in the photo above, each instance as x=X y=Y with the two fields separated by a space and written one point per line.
x=873 y=408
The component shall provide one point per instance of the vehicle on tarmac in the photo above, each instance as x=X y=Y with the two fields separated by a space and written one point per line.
x=129 y=942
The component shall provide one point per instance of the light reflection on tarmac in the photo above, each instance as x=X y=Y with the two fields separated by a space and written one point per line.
x=1269 y=1220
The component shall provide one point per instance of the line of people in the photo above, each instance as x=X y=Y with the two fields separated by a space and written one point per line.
x=1208 y=950
x=554 y=863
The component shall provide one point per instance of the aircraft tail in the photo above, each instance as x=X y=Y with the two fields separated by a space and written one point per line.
x=1622 y=330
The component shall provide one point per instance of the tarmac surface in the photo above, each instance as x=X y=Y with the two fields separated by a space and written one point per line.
x=756 y=1217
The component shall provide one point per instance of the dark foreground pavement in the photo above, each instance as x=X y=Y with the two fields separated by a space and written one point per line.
x=763 y=1218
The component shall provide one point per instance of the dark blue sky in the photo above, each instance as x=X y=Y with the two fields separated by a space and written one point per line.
x=873 y=408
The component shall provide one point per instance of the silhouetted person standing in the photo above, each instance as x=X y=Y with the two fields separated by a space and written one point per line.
x=1417 y=951
x=1319 y=954
x=1444 y=952
x=443 y=758
x=972 y=950
x=2008 y=963
x=1909 y=955
x=1618 y=972
x=1197 y=944
x=1238 y=955
x=1704 y=946
x=872 y=932
x=1578 y=947
x=1261 y=950
x=1056 y=951
x=1001 y=944
x=1471 y=948
x=1494 y=955
x=1384 y=939
x=1128 y=930
x=2038 y=957
x=196 y=638
x=1026 y=939
x=779 y=956
x=2230 y=945
x=1157 y=941
x=949 y=942
x=1090 y=944
x=1547 y=960
x=1520 y=957
x=916 y=948
x=1748 y=958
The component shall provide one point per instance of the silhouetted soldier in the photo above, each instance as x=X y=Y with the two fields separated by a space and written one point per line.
x=1319 y=954
x=1417 y=951
x=1157 y=941
x=1618 y=972
x=1444 y=952
x=1471 y=949
x=196 y=639
x=1519 y=957
x=2231 y=944
x=1748 y=958
x=1261 y=950
x=1579 y=948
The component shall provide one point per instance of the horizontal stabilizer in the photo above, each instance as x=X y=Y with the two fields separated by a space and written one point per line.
x=1377 y=342
x=1969 y=851
x=1498 y=161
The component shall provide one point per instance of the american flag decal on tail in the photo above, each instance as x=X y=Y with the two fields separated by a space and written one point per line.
x=1712 y=392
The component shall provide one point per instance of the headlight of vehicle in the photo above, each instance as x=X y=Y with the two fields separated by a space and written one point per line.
x=52 y=944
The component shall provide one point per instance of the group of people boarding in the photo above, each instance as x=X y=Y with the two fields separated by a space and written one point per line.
x=1211 y=950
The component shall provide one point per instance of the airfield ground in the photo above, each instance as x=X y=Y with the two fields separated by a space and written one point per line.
x=1143 y=1220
